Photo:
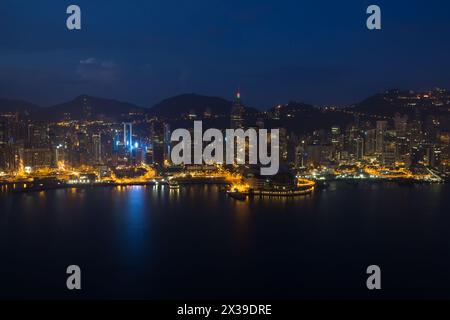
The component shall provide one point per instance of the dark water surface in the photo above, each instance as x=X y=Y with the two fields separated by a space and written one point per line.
x=144 y=242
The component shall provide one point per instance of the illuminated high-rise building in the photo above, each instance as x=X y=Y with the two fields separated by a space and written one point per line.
x=3 y=132
x=401 y=125
x=370 y=139
x=128 y=136
x=283 y=145
x=403 y=150
x=436 y=157
x=389 y=155
x=359 y=144
x=381 y=129
x=160 y=142
x=115 y=141
x=37 y=157
x=237 y=113
x=38 y=136
x=96 y=148
x=167 y=143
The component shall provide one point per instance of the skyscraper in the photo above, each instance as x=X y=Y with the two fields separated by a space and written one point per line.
x=359 y=143
x=97 y=148
x=381 y=129
x=370 y=142
x=389 y=155
x=237 y=113
x=128 y=136
x=160 y=141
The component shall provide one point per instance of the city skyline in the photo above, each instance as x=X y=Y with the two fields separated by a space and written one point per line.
x=401 y=131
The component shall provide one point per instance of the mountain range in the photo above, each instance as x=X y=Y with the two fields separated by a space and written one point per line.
x=8 y=105
x=101 y=108
x=85 y=106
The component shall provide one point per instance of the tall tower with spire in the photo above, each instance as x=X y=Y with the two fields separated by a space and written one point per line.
x=237 y=113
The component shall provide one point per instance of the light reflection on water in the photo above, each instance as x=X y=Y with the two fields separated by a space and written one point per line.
x=155 y=242
x=136 y=223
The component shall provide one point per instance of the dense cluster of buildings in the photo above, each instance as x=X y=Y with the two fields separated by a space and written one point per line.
x=30 y=145
x=417 y=138
x=400 y=141
x=396 y=142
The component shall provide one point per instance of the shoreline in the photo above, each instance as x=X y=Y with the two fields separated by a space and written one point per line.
x=18 y=187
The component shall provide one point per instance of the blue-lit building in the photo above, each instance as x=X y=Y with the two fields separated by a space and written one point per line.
x=128 y=136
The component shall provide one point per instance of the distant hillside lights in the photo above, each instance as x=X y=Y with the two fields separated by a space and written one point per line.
x=236 y=147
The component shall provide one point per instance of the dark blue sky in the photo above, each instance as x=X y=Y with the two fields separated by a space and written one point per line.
x=275 y=51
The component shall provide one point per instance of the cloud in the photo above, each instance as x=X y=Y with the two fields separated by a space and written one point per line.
x=88 y=61
x=108 y=64
x=97 y=71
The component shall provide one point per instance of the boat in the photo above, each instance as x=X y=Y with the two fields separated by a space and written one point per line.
x=237 y=195
x=174 y=185
x=322 y=185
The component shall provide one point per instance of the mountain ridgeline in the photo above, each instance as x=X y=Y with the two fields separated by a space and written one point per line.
x=182 y=106
x=409 y=103
x=12 y=106
x=191 y=104
x=88 y=107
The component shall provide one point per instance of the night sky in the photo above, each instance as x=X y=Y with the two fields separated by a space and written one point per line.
x=144 y=51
